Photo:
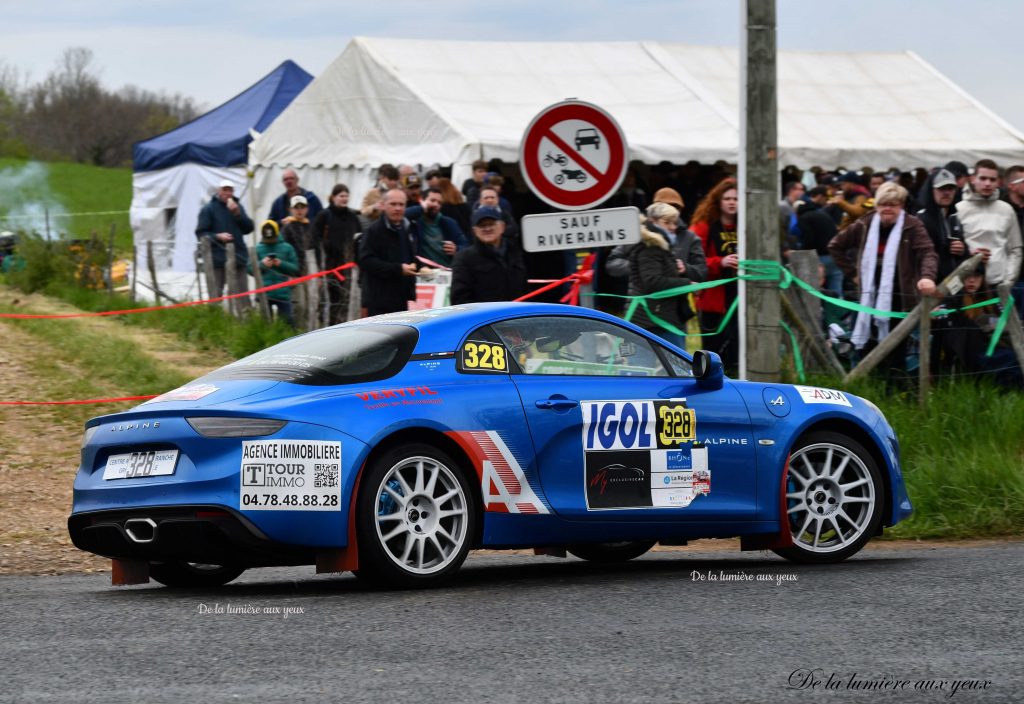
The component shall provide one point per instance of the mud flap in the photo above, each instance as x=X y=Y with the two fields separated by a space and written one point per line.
x=124 y=572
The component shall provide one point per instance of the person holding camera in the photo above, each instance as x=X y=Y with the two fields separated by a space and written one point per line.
x=278 y=263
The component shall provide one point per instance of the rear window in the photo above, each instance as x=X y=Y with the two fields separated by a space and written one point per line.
x=330 y=357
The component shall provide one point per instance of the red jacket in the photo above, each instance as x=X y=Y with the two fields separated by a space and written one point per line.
x=711 y=300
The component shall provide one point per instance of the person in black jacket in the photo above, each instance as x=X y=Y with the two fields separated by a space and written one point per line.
x=653 y=267
x=491 y=269
x=224 y=220
x=817 y=228
x=387 y=258
x=940 y=219
x=336 y=229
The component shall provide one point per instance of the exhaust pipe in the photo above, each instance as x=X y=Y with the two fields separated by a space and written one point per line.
x=140 y=530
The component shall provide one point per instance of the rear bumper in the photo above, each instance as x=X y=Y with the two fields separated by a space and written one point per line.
x=196 y=533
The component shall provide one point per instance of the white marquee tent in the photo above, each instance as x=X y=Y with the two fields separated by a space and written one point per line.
x=428 y=102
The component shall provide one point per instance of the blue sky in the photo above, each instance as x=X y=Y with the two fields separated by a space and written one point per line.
x=212 y=50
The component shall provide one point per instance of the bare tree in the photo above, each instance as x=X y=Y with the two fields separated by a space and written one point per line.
x=70 y=115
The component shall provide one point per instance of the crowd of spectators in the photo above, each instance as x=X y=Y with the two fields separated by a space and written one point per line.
x=884 y=239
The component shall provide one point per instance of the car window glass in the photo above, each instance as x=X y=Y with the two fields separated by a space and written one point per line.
x=680 y=365
x=348 y=354
x=578 y=347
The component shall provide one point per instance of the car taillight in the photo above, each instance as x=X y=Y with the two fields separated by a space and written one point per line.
x=235 y=427
x=87 y=435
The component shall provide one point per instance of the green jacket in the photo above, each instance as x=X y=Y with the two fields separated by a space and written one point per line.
x=286 y=268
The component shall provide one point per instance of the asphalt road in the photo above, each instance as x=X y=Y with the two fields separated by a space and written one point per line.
x=521 y=629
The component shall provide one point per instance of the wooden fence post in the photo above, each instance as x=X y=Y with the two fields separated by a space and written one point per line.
x=261 y=298
x=924 y=359
x=230 y=274
x=313 y=288
x=355 y=295
x=151 y=263
x=823 y=354
x=110 y=259
x=1016 y=334
x=211 y=282
x=805 y=309
x=135 y=267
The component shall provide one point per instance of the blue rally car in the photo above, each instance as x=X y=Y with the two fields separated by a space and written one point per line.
x=393 y=445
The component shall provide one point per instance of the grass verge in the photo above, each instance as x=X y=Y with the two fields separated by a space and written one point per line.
x=75 y=362
x=32 y=188
x=204 y=325
x=962 y=458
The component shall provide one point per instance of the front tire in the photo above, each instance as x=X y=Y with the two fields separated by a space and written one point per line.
x=834 y=498
x=184 y=575
x=609 y=553
x=416 y=518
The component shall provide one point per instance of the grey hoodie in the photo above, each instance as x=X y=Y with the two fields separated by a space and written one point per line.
x=992 y=223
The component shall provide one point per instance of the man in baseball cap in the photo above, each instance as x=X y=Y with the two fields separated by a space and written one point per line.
x=939 y=218
x=222 y=221
x=492 y=268
x=413 y=187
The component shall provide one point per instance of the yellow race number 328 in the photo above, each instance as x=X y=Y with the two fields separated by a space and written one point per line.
x=484 y=356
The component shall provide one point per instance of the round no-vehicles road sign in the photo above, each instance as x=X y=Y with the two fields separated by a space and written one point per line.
x=573 y=155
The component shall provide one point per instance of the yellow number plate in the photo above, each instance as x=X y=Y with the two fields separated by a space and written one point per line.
x=484 y=356
x=676 y=424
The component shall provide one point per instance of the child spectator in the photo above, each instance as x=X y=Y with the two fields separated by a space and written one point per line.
x=277 y=263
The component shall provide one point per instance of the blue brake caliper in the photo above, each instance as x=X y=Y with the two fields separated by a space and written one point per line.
x=387 y=504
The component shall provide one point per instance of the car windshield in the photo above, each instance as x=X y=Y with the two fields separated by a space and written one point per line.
x=349 y=354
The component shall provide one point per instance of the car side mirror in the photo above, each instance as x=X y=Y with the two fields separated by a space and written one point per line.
x=708 y=370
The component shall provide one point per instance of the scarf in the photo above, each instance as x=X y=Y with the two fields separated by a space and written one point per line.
x=880 y=299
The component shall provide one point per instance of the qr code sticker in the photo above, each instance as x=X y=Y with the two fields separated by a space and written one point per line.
x=325 y=476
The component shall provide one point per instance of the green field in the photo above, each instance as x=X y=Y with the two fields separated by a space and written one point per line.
x=31 y=189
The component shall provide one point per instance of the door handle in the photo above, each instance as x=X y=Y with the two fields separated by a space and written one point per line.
x=557 y=404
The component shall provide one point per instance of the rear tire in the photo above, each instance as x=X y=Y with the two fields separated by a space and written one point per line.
x=834 y=498
x=192 y=574
x=609 y=553
x=416 y=516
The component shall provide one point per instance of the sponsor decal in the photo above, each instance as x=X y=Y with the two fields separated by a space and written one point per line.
x=405 y=396
x=814 y=394
x=192 y=392
x=618 y=479
x=290 y=475
x=678 y=459
x=636 y=425
x=641 y=454
x=702 y=481
x=619 y=425
x=506 y=488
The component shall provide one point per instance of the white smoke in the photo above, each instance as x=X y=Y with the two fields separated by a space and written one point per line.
x=26 y=202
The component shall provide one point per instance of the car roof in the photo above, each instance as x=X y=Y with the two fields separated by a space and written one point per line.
x=441 y=329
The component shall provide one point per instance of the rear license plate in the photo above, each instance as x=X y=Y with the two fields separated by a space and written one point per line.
x=147 y=463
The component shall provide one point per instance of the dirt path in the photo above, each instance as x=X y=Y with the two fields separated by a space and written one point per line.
x=39 y=445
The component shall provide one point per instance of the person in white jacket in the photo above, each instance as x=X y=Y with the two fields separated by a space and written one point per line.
x=991 y=226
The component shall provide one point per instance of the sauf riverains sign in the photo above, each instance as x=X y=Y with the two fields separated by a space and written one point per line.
x=593 y=228
x=573 y=156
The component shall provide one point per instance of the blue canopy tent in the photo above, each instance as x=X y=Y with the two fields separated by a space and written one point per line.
x=221 y=137
x=176 y=172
